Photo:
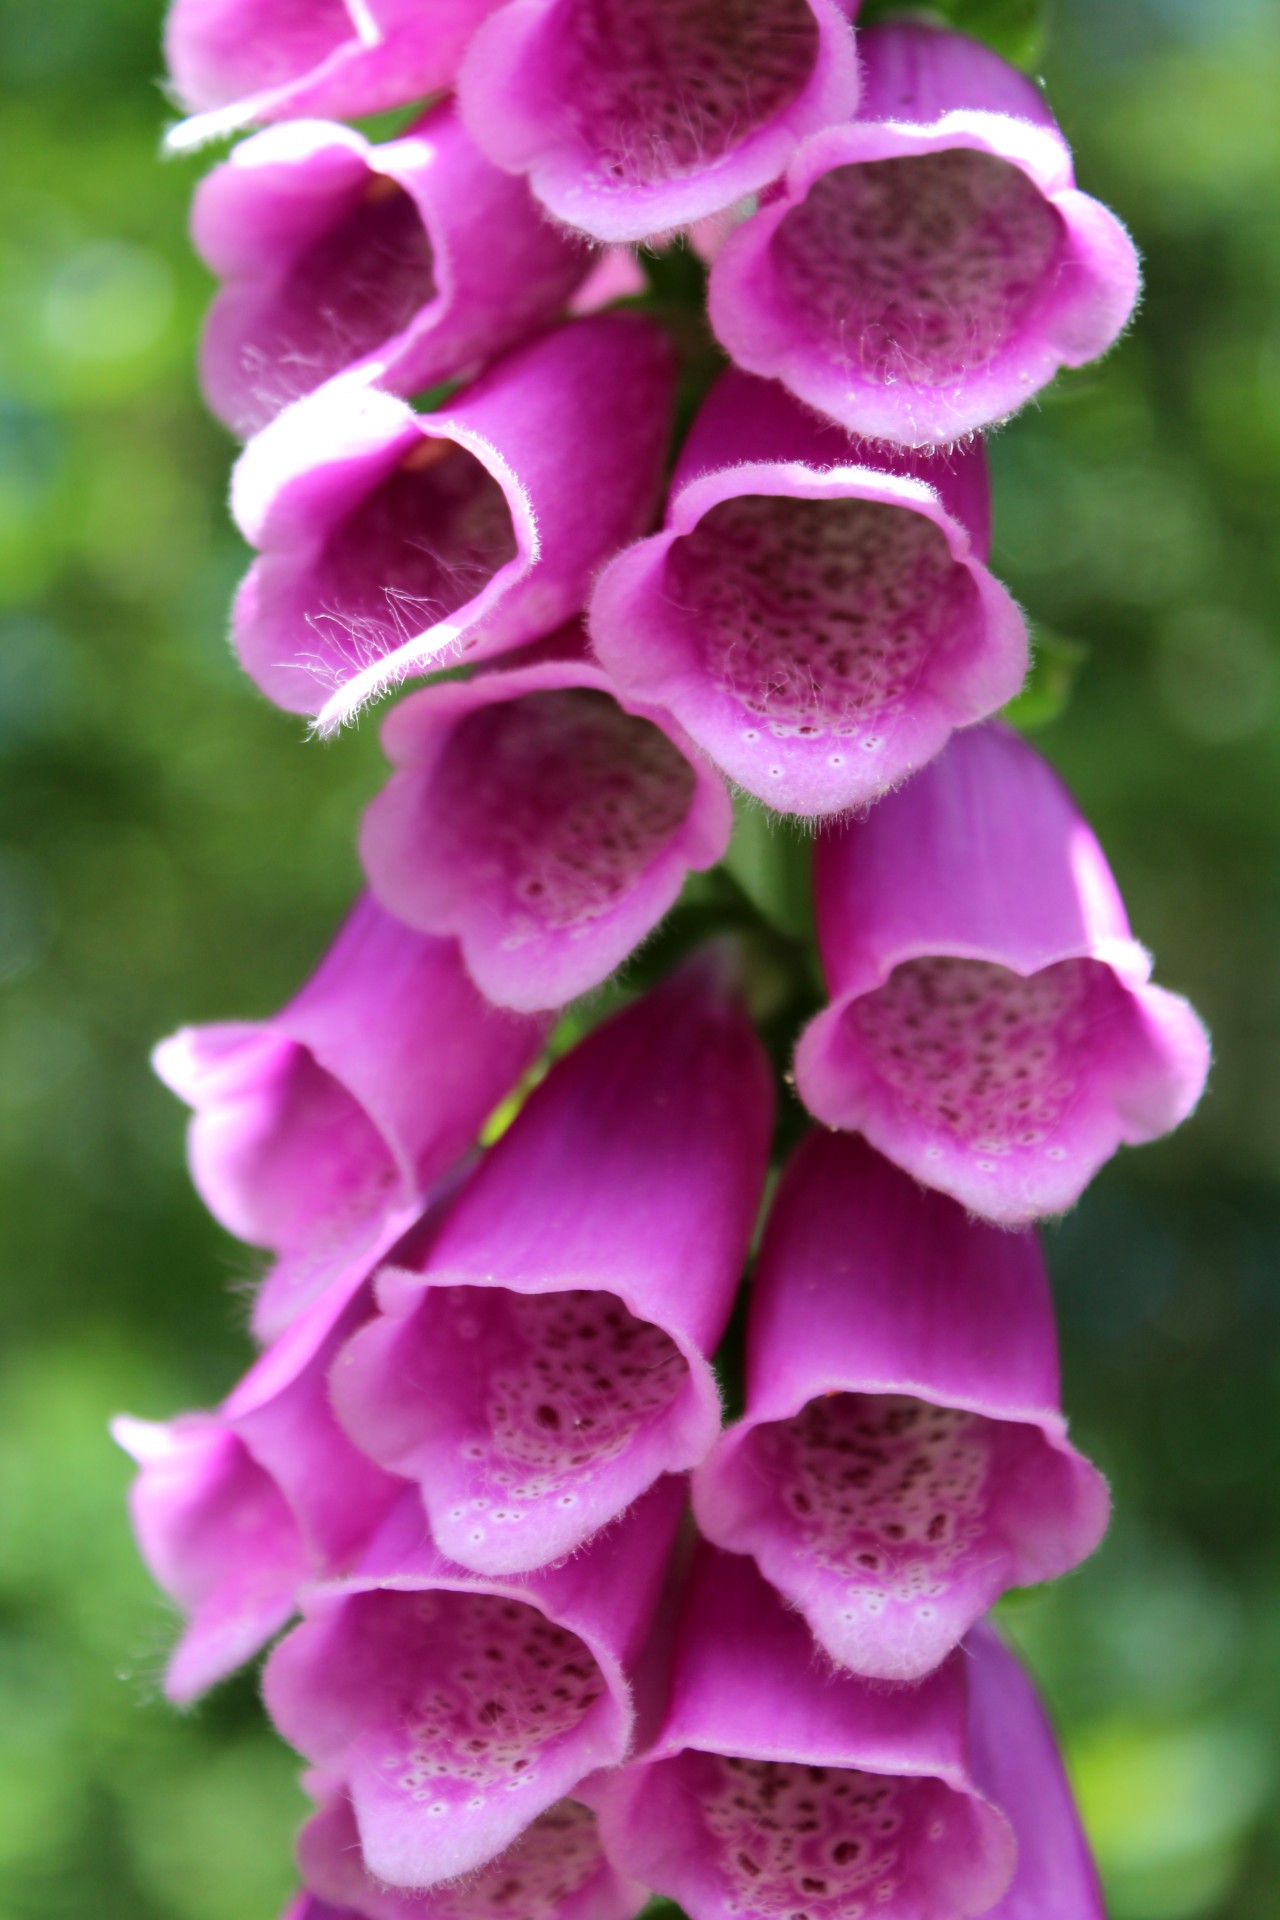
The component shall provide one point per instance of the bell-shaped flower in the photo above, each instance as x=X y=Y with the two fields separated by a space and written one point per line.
x=903 y=1458
x=927 y=267
x=393 y=542
x=232 y=62
x=545 y=821
x=319 y=1132
x=555 y=1870
x=548 y=1359
x=817 y=613
x=631 y=121
x=417 y=260
x=455 y=1709
x=992 y=1025
x=779 y=1786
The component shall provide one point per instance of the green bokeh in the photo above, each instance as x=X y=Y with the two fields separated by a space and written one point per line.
x=173 y=849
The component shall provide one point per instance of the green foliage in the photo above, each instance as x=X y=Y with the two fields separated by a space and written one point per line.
x=1055 y=666
x=1015 y=28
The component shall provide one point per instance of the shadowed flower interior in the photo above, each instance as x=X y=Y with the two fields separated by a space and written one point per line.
x=669 y=87
x=561 y=800
x=918 y=270
x=820 y=617
x=552 y=1860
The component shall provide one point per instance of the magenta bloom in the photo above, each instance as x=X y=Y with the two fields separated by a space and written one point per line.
x=318 y=1132
x=416 y=260
x=992 y=1025
x=394 y=542
x=929 y=266
x=776 y=1786
x=816 y=613
x=546 y=823
x=633 y=121
x=903 y=1458
x=454 y=1709
x=236 y=61
x=555 y=1870
x=549 y=1358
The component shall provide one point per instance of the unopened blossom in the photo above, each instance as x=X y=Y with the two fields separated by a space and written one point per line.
x=542 y=819
x=993 y=1027
x=453 y=1709
x=929 y=266
x=631 y=121
x=319 y=1131
x=232 y=62
x=417 y=260
x=393 y=542
x=816 y=612
x=549 y=1357
x=903 y=1458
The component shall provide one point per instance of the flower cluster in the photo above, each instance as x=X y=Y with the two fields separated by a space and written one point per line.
x=561 y=1637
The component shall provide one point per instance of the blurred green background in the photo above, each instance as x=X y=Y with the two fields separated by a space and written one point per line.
x=171 y=849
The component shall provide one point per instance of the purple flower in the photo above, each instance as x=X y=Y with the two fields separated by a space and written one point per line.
x=549 y=1359
x=631 y=121
x=778 y=1787
x=816 y=613
x=903 y=1459
x=318 y=1132
x=394 y=542
x=992 y=1025
x=546 y=823
x=556 y=1870
x=236 y=61
x=415 y=260
x=455 y=1709
x=929 y=266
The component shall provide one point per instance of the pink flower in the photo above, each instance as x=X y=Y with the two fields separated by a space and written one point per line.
x=816 y=613
x=394 y=542
x=454 y=1709
x=549 y=1358
x=992 y=1025
x=929 y=266
x=633 y=121
x=319 y=1132
x=416 y=260
x=546 y=823
x=903 y=1458
x=236 y=61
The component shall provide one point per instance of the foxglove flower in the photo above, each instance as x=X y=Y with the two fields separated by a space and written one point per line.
x=633 y=121
x=454 y=1709
x=319 y=1132
x=393 y=542
x=545 y=822
x=929 y=266
x=778 y=1787
x=816 y=613
x=556 y=1870
x=549 y=1358
x=992 y=1025
x=903 y=1458
x=236 y=61
x=417 y=260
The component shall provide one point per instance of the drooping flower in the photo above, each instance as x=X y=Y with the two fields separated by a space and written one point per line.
x=549 y=1358
x=454 y=1709
x=393 y=542
x=816 y=613
x=992 y=1025
x=417 y=260
x=930 y=265
x=318 y=1132
x=633 y=121
x=541 y=819
x=777 y=1787
x=236 y=61
x=903 y=1458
